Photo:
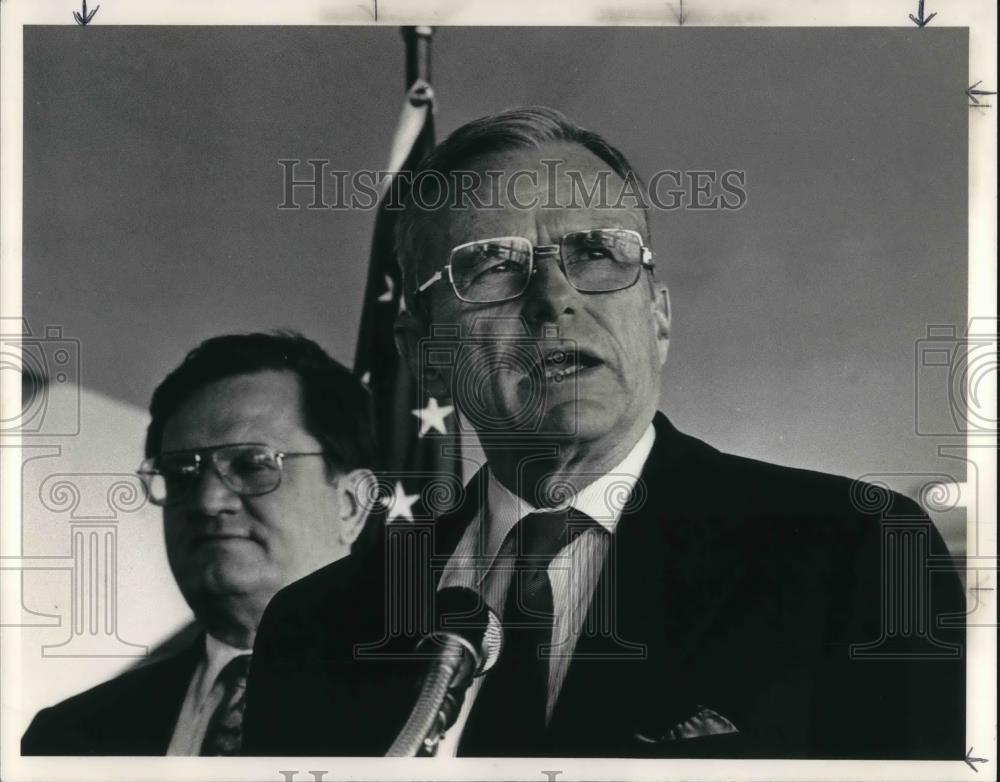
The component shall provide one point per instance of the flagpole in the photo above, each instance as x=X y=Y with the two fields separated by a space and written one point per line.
x=412 y=455
x=418 y=53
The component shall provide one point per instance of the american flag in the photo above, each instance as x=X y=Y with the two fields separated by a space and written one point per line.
x=413 y=432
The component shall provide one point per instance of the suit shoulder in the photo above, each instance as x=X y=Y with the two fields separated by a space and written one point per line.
x=52 y=725
x=745 y=476
x=782 y=490
x=797 y=509
x=329 y=578
x=342 y=584
x=109 y=691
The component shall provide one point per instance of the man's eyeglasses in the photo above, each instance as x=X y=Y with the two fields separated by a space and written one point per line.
x=600 y=260
x=248 y=469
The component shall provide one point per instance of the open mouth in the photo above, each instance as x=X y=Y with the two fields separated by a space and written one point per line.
x=563 y=363
x=199 y=540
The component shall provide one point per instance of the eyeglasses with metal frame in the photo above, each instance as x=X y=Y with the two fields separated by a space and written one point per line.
x=248 y=469
x=598 y=260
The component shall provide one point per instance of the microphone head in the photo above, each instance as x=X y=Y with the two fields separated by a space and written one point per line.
x=462 y=612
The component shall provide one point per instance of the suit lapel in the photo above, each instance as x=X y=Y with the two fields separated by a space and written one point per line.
x=398 y=591
x=413 y=562
x=665 y=579
x=449 y=528
x=143 y=722
x=175 y=679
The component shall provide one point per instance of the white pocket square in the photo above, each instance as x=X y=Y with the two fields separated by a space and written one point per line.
x=705 y=722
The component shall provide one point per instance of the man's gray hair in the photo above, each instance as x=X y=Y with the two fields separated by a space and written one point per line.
x=526 y=127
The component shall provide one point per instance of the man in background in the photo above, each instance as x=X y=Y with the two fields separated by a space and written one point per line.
x=259 y=450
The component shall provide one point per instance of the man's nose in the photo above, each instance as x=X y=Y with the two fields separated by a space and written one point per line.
x=549 y=292
x=211 y=495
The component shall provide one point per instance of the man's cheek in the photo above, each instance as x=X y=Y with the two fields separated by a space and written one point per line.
x=172 y=534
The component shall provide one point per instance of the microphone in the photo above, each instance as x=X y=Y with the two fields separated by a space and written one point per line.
x=465 y=641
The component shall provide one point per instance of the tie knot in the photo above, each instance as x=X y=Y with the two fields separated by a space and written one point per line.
x=234 y=673
x=539 y=536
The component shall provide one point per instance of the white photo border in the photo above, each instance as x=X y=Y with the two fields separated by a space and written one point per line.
x=979 y=16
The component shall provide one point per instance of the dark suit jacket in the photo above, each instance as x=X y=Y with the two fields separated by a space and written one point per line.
x=737 y=585
x=133 y=714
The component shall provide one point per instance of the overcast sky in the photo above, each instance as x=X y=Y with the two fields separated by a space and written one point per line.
x=151 y=187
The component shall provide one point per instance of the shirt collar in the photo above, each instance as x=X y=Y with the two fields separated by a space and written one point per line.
x=602 y=500
x=217 y=655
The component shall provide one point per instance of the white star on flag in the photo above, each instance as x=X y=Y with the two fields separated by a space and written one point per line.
x=432 y=417
x=390 y=288
x=400 y=504
x=366 y=378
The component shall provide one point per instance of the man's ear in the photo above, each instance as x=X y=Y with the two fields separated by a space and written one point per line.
x=354 y=493
x=661 y=316
x=408 y=332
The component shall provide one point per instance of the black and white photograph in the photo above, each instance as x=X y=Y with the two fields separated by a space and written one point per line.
x=498 y=393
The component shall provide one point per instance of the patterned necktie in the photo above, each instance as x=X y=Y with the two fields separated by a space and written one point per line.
x=508 y=716
x=225 y=728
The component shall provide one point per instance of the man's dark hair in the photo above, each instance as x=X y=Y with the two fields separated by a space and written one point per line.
x=526 y=127
x=336 y=407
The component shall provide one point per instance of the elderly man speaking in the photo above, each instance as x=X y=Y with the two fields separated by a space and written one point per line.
x=658 y=598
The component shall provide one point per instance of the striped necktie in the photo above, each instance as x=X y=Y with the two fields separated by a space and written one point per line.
x=225 y=728
x=508 y=716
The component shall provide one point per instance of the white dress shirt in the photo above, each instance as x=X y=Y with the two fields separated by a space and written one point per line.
x=204 y=694
x=573 y=573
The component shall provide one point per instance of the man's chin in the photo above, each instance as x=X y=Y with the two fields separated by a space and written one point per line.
x=582 y=420
x=234 y=573
x=231 y=583
x=562 y=420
